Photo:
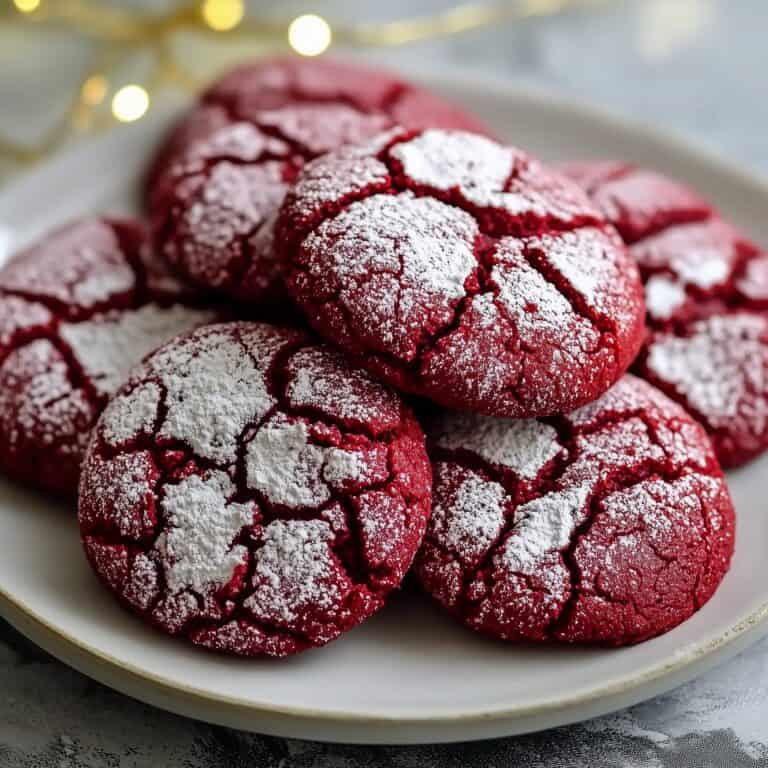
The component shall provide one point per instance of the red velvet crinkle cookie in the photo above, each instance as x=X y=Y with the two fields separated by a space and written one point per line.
x=610 y=525
x=706 y=290
x=77 y=311
x=248 y=490
x=224 y=170
x=459 y=269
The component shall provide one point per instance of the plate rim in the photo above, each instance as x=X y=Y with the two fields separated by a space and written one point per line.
x=692 y=658
x=683 y=659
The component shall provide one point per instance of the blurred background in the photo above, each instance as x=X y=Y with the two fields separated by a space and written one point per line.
x=70 y=68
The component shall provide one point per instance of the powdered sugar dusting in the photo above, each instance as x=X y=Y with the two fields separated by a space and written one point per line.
x=107 y=346
x=132 y=414
x=753 y=283
x=214 y=389
x=322 y=379
x=288 y=469
x=622 y=399
x=38 y=402
x=234 y=201
x=295 y=572
x=663 y=297
x=129 y=510
x=468 y=521
x=384 y=527
x=701 y=254
x=240 y=140
x=543 y=526
x=720 y=369
x=626 y=512
x=343 y=466
x=338 y=176
x=196 y=548
x=419 y=250
x=592 y=262
x=242 y=508
x=19 y=315
x=659 y=505
x=320 y=128
x=538 y=308
x=639 y=202
x=81 y=265
x=626 y=443
x=437 y=276
x=524 y=446
x=476 y=166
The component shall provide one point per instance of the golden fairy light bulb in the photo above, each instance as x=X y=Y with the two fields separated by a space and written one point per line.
x=130 y=103
x=309 y=35
x=222 y=15
x=94 y=90
x=27 y=6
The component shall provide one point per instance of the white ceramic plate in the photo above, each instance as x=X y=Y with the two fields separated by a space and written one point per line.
x=409 y=675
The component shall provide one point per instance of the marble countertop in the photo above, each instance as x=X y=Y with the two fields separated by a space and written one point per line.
x=696 y=67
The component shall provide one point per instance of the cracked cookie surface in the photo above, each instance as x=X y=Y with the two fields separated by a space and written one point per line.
x=706 y=290
x=77 y=310
x=220 y=177
x=462 y=270
x=610 y=525
x=251 y=491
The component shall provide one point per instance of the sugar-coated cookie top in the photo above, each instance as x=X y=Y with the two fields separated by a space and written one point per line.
x=463 y=270
x=78 y=310
x=275 y=494
x=706 y=292
x=610 y=525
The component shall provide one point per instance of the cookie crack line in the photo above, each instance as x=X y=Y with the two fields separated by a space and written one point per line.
x=485 y=287
x=314 y=540
x=70 y=311
x=397 y=182
x=471 y=584
x=579 y=305
x=59 y=309
x=568 y=554
x=233 y=606
x=537 y=224
x=295 y=97
x=188 y=169
x=279 y=375
x=77 y=378
x=342 y=267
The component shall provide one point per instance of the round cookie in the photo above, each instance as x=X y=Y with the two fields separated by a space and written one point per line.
x=223 y=172
x=610 y=525
x=462 y=270
x=250 y=491
x=706 y=291
x=77 y=310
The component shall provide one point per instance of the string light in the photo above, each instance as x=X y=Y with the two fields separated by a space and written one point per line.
x=27 y=6
x=130 y=103
x=94 y=90
x=222 y=15
x=309 y=35
x=112 y=29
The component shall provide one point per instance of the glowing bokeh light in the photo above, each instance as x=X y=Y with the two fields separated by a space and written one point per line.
x=130 y=103
x=27 y=6
x=222 y=15
x=309 y=35
x=94 y=90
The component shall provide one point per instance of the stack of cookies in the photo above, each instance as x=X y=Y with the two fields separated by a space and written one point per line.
x=359 y=337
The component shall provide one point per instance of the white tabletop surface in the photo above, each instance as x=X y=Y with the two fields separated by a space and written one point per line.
x=697 y=67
